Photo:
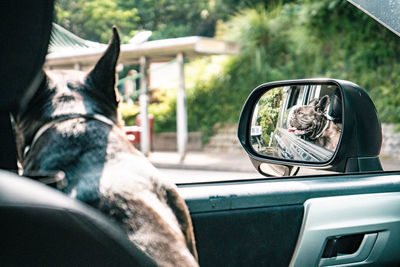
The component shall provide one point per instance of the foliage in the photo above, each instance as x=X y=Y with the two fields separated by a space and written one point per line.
x=171 y=18
x=166 y=18
x=93 y=19
x=269 y=107
x=164 y=111
x=129 y=113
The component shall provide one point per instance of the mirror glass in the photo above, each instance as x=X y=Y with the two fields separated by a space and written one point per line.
x=298 y=122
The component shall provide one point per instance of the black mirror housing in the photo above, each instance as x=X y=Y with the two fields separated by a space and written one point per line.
x=360 y=142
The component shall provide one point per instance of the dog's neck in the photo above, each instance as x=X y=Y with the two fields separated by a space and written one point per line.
x=330 y=137
x=50 y=124
x=320 y=131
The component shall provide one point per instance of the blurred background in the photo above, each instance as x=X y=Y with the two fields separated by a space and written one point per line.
x=278 y=40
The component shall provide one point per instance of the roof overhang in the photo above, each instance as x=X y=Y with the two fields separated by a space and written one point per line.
x=155 y=51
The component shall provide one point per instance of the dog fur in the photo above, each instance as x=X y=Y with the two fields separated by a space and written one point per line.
x=101 y=167
x=310 y=121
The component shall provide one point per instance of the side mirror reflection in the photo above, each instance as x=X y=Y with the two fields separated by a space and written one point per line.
x=298 y=122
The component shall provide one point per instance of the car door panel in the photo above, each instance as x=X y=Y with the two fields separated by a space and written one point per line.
x=260 y=222
x=376 y=217
x=264 y=236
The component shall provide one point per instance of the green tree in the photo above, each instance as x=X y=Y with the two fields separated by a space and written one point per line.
x=172 y=18
x=93 y=19
x=166 y=18
x=269 y=107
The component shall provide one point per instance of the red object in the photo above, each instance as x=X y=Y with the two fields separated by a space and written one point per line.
x=134 y=132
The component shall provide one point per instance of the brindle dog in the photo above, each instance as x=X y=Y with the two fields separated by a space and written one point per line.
x=311 y=122
x=71 y=125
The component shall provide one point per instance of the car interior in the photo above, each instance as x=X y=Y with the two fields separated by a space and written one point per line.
x=348 y=218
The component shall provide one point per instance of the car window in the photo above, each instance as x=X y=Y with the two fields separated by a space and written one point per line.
x=278 y=41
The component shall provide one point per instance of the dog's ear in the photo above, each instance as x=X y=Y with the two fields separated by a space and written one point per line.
x=313 y=102
x=323 y=103
x=102 y=77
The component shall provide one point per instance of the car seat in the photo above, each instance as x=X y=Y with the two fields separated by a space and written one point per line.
x=40 y=226
x=335 y=108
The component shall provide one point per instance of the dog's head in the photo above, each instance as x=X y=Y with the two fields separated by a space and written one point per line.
x=71 y=92
x=308 y=120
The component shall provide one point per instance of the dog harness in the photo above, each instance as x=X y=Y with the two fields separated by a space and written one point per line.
x=318 y=135
x=50 y=124
x=328 y=119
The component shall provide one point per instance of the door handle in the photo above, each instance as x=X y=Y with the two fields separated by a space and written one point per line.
x=336 y=257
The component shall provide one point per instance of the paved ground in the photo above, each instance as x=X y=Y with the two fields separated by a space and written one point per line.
x=236 y=161
x=217 y=165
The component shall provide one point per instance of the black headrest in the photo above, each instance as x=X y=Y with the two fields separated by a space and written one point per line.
x=40 y=226
x=335 y=108
x=24 y=36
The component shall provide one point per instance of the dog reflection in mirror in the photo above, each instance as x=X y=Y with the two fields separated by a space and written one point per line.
x=310 y=121
x=71 y=125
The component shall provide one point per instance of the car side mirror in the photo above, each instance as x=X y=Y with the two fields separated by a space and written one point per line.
x=318 y=123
